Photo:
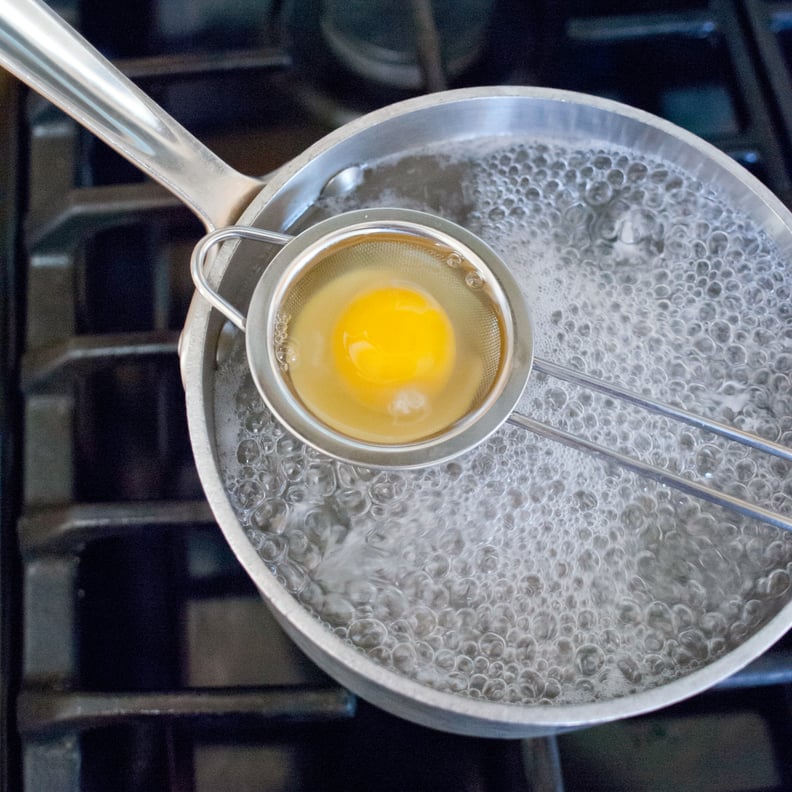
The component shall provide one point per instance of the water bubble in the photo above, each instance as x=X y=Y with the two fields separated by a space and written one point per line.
x=630 y=669
x=248 y=494
x=367 y=633
x=247 y=452
x=272 y=515
x=474 y=281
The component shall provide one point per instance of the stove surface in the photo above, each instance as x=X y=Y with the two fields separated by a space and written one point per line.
x=136 y=654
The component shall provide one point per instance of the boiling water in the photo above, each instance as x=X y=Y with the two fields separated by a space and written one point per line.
x=524 y=571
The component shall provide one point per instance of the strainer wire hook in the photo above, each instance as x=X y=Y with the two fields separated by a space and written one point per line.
x=201 y=256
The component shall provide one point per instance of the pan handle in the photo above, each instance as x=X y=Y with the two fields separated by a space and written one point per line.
x=201 y=253
x=39 y=48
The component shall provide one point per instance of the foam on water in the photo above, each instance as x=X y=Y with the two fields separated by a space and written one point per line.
x=525 y=571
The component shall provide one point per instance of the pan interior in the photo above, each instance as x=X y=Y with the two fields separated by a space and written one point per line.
x=525 y=572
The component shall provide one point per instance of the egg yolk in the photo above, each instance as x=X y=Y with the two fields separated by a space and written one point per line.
x=393 y=348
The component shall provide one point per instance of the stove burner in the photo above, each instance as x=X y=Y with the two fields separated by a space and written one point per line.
x=383 y=42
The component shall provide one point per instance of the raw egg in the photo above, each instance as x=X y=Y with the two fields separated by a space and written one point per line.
x=393 y=348
x=376 y=355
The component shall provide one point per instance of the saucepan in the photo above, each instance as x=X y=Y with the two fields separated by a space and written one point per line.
x=620 y=544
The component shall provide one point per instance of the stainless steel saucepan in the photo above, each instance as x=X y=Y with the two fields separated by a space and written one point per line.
x=622 y=548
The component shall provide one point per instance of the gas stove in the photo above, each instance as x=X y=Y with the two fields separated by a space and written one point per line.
x=136 y=653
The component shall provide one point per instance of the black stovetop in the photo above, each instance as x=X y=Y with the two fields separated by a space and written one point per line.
x=136 y=654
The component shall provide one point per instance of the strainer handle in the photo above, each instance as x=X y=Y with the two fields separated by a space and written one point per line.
x=43 y=51
x=198 y=265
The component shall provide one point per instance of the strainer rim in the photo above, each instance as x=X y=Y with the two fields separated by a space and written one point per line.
x=466 y=433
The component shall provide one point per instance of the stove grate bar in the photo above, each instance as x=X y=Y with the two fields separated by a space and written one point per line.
x=65 y=529
x=63 y=224
x=191 y=65
x=608 y=29
x=770 y=23
x=47 y=712
x=772 y=668
x=42 y=365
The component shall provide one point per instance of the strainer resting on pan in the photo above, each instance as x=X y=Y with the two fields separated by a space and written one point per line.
x=390 y=338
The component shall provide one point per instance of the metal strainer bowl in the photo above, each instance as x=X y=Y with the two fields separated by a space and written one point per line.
x=462 y=274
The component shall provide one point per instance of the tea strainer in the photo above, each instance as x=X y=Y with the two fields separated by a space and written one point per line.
x=472 y=317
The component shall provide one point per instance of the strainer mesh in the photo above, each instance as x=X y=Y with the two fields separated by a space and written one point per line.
x=463 y=291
